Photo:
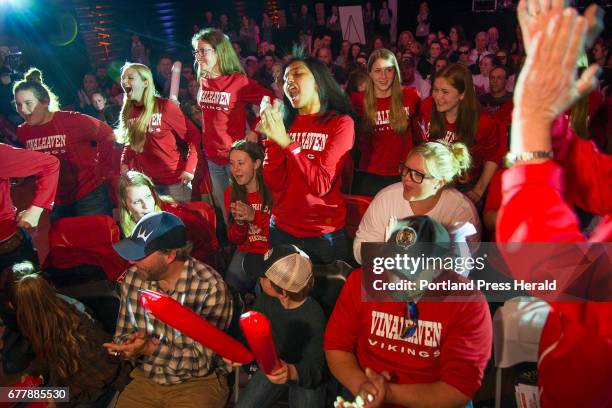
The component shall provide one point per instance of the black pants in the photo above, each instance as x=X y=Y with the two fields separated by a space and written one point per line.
x=369 y=184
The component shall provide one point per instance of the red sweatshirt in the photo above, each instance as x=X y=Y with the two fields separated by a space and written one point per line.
x=382 y=150
x=490 y=143
x=223 y=101
x=161 y=156
x=305 y=176
x=452 y=343
x=83 y=145
x=253 y=237
x=16 y=162
x=577 y=337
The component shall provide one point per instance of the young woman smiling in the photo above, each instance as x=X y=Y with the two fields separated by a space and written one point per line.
x=305 y=154
x=456 y=117
x=154 y=132
x=387 y=111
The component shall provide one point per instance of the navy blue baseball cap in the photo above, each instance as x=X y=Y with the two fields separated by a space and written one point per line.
x=154 y=232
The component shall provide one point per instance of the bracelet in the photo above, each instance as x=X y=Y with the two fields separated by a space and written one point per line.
x=513 y=158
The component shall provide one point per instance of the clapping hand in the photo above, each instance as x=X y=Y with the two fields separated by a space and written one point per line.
x=271 y=123
x=242 y=212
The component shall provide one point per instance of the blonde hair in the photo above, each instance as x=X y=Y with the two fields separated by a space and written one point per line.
x=444 y=162
x=135 y=134
x=33 y=81
x=397 y=114
x=127 y=222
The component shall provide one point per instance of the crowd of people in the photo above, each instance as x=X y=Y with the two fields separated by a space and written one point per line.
x=230 y=193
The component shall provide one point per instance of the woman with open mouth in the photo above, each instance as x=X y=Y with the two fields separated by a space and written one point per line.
x=155 y=134
x=305 y=153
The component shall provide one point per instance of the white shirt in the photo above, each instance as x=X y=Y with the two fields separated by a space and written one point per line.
x=453 y=210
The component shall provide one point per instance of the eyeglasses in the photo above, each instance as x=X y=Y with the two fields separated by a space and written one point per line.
x=415 y=175
x=411 y=320
x=202 y=52
x=464 y=52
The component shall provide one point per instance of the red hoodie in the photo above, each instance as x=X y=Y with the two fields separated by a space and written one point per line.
x=224 y=102
x=382 y=150
x=577 y=336
x=82 y=144
x=253 y=237
x=16 y=162
x=305 y=176
x=490 y=143
x=161 y=156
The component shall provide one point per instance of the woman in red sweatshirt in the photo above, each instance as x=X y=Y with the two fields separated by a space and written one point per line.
x=82 y=144
x=225 y=91
x=154 y=132
x=249 y=203
x=305 y=154
x=388 y=111
x=456 y=117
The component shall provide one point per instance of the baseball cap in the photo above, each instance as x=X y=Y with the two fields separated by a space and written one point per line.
x=285 y=265
x=155 y=231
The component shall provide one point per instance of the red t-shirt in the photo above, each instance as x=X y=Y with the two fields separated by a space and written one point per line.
x=489 y=145
x=253 y=237
x=306 y=176
x=83 y=146
x=223 y=101
x=382 y=150
x=161 y=158
x=16 y=162
x=452 y=343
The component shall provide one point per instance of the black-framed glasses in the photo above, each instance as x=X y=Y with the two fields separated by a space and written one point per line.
x=202 y=52
x=411 y=320
x=415 y=175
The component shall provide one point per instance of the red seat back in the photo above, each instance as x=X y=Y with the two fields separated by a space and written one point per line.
x=356 y=207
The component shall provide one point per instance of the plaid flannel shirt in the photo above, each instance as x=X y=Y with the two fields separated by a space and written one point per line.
x=178 y=357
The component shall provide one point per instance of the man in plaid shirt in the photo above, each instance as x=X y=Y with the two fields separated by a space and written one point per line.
x=171 y=369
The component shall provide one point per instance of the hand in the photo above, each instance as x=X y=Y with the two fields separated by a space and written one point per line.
x=29 y=218
x=272 y=125
x=186 y=177
x=547 y=85
x=533 y=15
x=251 y=136
x=280 y=376
x=242 y=212
x=374 y=391
x=473 y=195
x=137 y=344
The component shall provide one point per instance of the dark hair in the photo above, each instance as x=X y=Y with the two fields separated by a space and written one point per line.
x=356 y=76
x=238 y=192
x=182 y=253
x=295 y=296
x=332 y=98
x=33 y=81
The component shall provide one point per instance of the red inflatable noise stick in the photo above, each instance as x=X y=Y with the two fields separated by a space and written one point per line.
x=190 y=324
x=28 y=381
x=258 y=332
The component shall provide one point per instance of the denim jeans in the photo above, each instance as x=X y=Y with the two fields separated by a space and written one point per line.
x=260 y=392
x=220 y=177
x=322 y=250
x=180 y=192
x=97 y=202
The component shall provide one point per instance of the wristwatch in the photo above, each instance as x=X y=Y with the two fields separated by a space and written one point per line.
x=513 y=158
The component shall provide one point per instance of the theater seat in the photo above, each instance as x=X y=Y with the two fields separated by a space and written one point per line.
x=329 y=280
x=85 y=240
x=356 y=207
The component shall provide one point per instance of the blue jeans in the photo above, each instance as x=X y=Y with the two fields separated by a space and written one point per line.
x=260 y=392
x=220 y=176
x=322 y=250
x=97 y=202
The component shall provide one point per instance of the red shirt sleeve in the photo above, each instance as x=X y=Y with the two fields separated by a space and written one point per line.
x=178 y=123
x=252 y=92
x=17 y=162
x=275 y=166
x=236 y=233
x=320 y=176
x=192 y=137
x=494 y=194
x=127 y=157
x=491 y=144
x=342 y=329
